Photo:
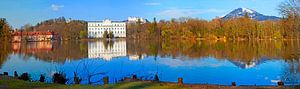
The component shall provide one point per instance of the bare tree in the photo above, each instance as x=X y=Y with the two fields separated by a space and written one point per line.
x=290 y=8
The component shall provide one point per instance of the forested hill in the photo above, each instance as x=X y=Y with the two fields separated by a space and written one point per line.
x=63 y=28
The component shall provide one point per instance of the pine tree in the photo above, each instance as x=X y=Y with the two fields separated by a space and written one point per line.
x=105 y=34
x=111 y=34
x=4 y=30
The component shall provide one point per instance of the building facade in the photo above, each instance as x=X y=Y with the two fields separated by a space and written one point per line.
x=96 y=29
x=32 y=36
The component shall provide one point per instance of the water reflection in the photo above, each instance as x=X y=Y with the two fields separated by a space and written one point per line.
x=32 y=47
x=291 y=72
x=250 y=64
x=245 y=62
x=107 y=49
x=5 y=51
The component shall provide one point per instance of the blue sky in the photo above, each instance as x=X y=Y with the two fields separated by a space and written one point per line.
x=20 y=12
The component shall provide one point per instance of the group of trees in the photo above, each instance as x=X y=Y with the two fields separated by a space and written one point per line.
x=64 y=29
x=242 y=28
x=107 y=34
x=193 y=28
x=188 y=28
x=291 y=17
x=136 y=28
x=236 y=28
x=184 y=28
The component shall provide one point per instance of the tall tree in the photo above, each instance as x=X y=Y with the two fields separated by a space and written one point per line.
x=83 y=34
x=290 y=9
x=153 y=29
x=105 y=34
x=111 y=34
x=4 y=30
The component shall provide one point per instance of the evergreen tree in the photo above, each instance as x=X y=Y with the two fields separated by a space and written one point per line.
x=111 y=34
x=4 y=30
x=105 y=34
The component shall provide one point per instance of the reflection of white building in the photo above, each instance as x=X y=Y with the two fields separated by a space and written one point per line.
x=107 y=51
x=137 y=57
x=96 y=29
x=134 y=57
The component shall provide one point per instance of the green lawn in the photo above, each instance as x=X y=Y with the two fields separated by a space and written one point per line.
x=19 y=84
x=10 y=83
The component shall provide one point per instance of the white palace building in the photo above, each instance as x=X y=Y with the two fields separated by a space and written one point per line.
x=96 y=29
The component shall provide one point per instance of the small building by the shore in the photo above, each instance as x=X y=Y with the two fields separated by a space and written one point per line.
x=32 y=36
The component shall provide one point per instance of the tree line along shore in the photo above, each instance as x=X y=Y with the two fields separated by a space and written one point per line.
x=185 y=28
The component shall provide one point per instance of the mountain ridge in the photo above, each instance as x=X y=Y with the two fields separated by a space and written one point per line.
x=241 y=12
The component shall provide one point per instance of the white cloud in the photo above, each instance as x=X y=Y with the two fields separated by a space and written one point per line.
x=152 y=4
x=174 y=13
x=55 y=7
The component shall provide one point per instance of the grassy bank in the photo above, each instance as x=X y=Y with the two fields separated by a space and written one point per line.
x=10 y=83
x=19 y=84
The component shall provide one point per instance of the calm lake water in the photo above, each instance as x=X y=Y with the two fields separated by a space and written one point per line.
x=203 y=62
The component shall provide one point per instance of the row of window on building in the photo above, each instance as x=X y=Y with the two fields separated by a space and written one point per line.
x=102 y=32
x=108 y=51
x=106 y=25
x=106 y=28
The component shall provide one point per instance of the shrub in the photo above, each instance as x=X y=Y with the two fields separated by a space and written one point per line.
x=42 y=78
x=59 y=78
x=25 y=77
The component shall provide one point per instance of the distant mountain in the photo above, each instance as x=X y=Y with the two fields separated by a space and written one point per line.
x=240 y=12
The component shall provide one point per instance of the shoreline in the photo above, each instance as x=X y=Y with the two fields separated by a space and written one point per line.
x=14 y=83
x=224 y=40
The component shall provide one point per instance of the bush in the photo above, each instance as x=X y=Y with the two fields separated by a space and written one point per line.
x=16 y=74
x=42 y=78
x=25 y=77
x=59 y=78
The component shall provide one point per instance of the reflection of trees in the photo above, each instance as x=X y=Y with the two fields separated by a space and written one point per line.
x=291 y=50
x=245 y=51
x=5 y=50
x=88 y=70
x=136 y=47
x=291 y=72
x=108 y=43
x=241 y=51
x=59 y=51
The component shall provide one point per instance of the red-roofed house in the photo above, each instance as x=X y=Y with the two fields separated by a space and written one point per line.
x=33 y=36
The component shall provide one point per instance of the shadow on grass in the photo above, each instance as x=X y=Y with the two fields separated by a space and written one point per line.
x=142 y=85
x=130 y=85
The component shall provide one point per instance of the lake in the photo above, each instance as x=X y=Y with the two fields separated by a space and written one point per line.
x=197 y=62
